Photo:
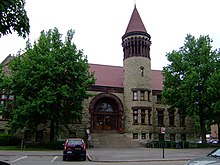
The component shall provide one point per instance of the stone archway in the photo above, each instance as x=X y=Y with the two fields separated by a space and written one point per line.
x=106 y=112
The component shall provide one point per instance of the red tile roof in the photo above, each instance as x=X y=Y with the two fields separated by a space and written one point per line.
x=112 y=76
x=135 y=23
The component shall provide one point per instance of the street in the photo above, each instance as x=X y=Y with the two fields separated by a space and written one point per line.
x=106 y=156
x=57 y=160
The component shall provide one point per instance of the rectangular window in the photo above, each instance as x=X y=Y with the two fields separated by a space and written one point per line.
x=159 y=99
x=172 y=138
x=28 y=135
x=183 y=137
x=143 y=117
x=148 y=95
x=160 y=118
x=135 y=135
x=161 y=137
x=135 y=116
x=143 y=136
x=149 y=117
x=142 y=95
x=182 y=120
x=4 y=97
x=39 y=136
x=7 y=101
x=2 y=131
x=135 y=95
x=171 y=119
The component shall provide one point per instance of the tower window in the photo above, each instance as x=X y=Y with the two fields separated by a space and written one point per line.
x=142 y=71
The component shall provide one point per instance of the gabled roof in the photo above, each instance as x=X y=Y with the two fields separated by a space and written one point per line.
x=135 y=24
x=112 y=76
x=107 y=75
x=7 y=60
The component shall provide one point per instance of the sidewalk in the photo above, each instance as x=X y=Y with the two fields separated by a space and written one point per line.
x=144 y=154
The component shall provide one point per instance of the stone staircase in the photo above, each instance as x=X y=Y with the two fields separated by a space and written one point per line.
x=112 y=139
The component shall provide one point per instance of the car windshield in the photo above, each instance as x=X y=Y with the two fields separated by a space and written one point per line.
x=74 y=142
x=215 y=153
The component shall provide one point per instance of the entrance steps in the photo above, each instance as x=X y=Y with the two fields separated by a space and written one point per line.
x=112 y=139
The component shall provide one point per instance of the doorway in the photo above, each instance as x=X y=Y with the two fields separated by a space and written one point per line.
x=103 y=122
x=106 y=112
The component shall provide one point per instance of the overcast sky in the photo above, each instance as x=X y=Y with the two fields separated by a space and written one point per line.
x=100 y=24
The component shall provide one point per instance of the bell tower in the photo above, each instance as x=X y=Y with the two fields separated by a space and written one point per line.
x=137 y=76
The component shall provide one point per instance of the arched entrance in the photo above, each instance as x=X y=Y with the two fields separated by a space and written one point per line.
x=106 y=112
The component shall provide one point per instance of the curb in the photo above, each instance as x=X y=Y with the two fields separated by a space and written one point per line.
x=93 y=159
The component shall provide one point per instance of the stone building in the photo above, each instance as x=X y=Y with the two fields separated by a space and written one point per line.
x=128 y=99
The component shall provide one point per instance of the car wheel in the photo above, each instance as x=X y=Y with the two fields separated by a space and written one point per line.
x=64 y=158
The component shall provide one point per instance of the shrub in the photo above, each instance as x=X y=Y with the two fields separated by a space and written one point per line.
x=9 y=140
x=57 y=145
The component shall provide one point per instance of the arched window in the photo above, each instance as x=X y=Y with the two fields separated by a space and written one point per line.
x=142 y=71
x=104 y=107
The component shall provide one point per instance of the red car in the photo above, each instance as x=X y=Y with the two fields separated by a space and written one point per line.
x=74 y=148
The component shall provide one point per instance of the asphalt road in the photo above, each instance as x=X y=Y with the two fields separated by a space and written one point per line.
x=57 y=160
x=108 y=156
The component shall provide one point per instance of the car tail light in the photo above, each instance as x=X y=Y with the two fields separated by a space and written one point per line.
x=83 y=146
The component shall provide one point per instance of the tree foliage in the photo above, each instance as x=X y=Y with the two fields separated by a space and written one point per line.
x=13 y=17
x=191 y=80
x=50 y=81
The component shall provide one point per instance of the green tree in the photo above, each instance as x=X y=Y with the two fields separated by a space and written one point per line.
x=50 y=81
x=13 y=17
x=189 y=80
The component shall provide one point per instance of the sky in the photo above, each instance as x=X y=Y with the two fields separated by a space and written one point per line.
x=100 y=24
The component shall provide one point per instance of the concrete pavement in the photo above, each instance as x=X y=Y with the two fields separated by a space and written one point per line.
x=143 y=154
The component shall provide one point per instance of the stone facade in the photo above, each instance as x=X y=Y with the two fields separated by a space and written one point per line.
x=130 y=103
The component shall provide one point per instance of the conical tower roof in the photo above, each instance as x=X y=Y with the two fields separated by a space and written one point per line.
x=135 y=24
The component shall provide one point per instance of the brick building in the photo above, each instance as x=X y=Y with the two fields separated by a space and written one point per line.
x=126 y=99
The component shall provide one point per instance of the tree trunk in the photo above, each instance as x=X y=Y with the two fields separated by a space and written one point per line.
x=203 y=129
x=52 y=132
x=218 y=132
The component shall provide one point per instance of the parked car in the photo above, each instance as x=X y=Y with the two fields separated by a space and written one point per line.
x=74 y=148
x=4 y=163
x=213 y=158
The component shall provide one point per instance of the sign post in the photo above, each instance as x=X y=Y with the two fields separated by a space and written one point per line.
x=163 y=131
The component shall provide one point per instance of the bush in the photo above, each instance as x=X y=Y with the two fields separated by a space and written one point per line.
x=9 y=140
x=57 y=145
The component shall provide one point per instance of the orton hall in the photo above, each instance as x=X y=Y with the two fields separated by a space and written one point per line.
x=127 y=100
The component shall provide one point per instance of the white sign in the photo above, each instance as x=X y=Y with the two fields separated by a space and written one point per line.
x=163 y=130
